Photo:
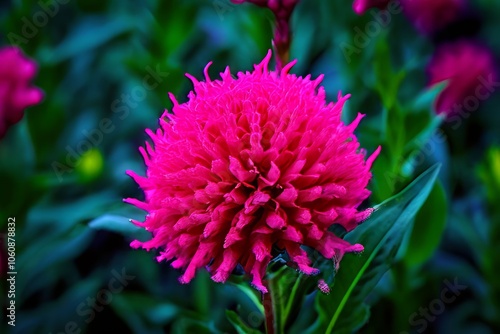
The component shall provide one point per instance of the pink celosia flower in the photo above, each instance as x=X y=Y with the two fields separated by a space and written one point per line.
x=468 y=68
x=431 y=15
x=247 y=163
x=361 y=6
x=16 y=92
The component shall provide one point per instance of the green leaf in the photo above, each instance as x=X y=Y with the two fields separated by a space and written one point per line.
x=190 y=325
x=415 y=124
x=489 y=173
x=118 y=224
x=41 y=216
x=428 y=227
x=49 y=252
x=251 y=293
x=130 y=306
x=240 y=326
x=143 y=313
x=421 y=120
x=387 y=80
x=65 y=306
x=387 y=85
x=381 y=236
x=395 y=133
x=288 y=289
x=384 y=177
x=425 y=100
x=425 y=131
x=87 y=34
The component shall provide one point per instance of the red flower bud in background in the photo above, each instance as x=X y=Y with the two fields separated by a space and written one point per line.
x=361 y=6
x=429 y=16
x=16 y=91
x=469 y=70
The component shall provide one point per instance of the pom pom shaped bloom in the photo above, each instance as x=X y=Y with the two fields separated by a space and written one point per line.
x=429 y=16
x=249 y=163
x=16 y=92
x=470 y=71
x=361 y=6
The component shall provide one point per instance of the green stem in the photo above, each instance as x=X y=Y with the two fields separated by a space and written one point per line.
x=402 y=297
x=490 y=263
x=202 y=294
x=267 y=302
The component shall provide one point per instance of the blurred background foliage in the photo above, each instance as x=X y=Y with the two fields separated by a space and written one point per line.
x=106 y=68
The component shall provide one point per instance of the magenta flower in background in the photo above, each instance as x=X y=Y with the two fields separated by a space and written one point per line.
x=16 y=91
x=247 y=163
x=470 y=71
x=429 y=16
x=361 y=6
